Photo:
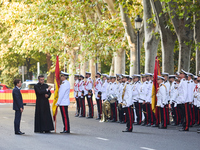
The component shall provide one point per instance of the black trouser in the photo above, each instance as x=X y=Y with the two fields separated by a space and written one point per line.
x=82 y=102
x=195 y=114
x=148 y=113
x=129 y=117
x=99 y=107
x=174 y=113
x=186 y=116
x=121 y=113
x=78 y=106
x=90 y=105
x=17 y=120
x=114 y=110
x=163 y=113
x=65 y=118
x=181 y=110
x=145 y=115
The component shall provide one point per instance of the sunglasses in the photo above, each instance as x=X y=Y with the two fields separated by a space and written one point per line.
x=198 y=81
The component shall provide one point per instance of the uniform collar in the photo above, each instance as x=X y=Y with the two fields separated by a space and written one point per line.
x=161 y=83
x=18 y=87
x=64 y=81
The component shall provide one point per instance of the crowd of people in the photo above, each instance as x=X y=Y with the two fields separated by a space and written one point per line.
x=178 y=96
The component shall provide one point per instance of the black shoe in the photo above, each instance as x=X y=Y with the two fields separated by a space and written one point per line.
x=89 y=117
x=198 y=129
x=137 y=123
x=162 y=127
x=143 y=124
x=122 y=122
x=19 y=133
x=76 y=115
x=191 y=125
x=154 y=125
x=195 y=125
x=113 y=120
x=127 y=131
x=65 y=131
x=148 y=125
x=183 y=129
x=47 y=131
x=81 y=116
x=98 y=118
x=180 y=125
x=173 y=124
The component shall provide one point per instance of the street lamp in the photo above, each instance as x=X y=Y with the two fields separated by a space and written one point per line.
x=138 y=24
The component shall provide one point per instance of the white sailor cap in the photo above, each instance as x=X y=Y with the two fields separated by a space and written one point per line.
x=81 y=76
x=189 y=74
x=136 y=76
x=160 y=77
x=108 y=77
x=104 y=75
x=183 y=72
x=165 y=74
x=117 y=75
x=143 y=75
x=177 y=73
x=195 y=77
x=176 y=79
x=148 y=74
x=87 y=72
x=130 y=77
x=112 y=77
x=64 y=73
x=76 y=75
x=120 y=77
x=172 y=76
x=99 y=73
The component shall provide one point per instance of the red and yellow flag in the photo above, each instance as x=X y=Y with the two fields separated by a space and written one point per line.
x=155 y=85
x=56 y=88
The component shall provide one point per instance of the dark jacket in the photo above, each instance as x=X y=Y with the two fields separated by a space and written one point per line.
x=17 y=99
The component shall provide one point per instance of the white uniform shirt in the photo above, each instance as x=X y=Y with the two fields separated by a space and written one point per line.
x=161 y=95
x=127 y=91
x=143 y=92
x=197 y=94
x=97 y=87
x=167 y=84
x=136 y=91
x=80 y=88
x=108 y=88
x=149 y=94
x=119 y=92
x=88 y=85
x=76 y=88
x=112 y=88
x=63 y=96
x=104 y=90
x=182 y=91
x=190 y=90
x=171 y=91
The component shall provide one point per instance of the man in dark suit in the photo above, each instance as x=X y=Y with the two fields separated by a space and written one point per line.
x=17 y=105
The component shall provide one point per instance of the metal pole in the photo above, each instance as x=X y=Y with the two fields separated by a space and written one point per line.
x=138 y=50
x=38 y=68
x=22 y=74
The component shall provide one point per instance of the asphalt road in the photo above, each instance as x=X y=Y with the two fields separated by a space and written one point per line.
x=89 y=134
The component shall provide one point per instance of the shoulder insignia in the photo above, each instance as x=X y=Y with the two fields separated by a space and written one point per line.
x=97 y=82
x=115 y=82
x=188 y=82
x=146 y=82
x=191 y=81
x=183 y=79
x=151 y=82
x=174 y=82
x=127 y=83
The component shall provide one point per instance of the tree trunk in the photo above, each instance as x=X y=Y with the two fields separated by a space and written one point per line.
x=132 y=40
x=184 y=34
x=197 y=38
x=50 y=77
x=151 y=41
x=119 y=58
x=168 y=38
x=92 y=68
x=72 y=68
x=112 y=67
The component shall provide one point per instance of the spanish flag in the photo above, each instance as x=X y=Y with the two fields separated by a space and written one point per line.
x=56 y=88
x=155 y=85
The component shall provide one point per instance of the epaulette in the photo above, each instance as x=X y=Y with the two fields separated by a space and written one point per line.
x=146 y=82
x=183 y=79
x=191 y=81
x=127 y=83
x=115 y=82
x=151 y=82
x=174 y=82
x=188 y=81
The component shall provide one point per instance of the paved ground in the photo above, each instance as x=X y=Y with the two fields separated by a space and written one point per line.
x=89 y=134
